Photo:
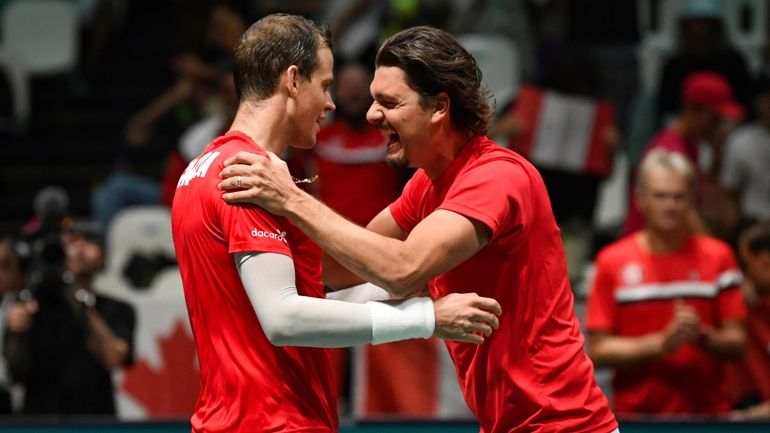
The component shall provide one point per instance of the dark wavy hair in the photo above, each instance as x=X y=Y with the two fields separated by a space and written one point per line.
x=435 y=62
x=271 y=45
x=757 y=237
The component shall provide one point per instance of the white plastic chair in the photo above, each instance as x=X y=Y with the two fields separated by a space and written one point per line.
x=136 y=230
x=498 y=59
x=14 y=71
x=43 y=34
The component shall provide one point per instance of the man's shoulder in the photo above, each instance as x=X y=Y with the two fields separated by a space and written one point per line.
x=501 y=161
x=711 y=246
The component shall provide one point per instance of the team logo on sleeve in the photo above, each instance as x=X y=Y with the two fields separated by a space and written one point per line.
x=281 y=236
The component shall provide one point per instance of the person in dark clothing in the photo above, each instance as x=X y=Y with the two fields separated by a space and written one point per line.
x=63 y=341
x=701 y=45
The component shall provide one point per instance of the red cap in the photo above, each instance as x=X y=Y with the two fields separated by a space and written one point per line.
x=713 y=92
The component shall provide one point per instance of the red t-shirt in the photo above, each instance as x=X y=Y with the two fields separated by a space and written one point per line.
x=531 y=374
x=247 y=384
x=633 y=295
x=354 y=179
x=670 y=140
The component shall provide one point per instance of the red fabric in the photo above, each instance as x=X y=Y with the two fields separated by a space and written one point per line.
x=402 y=378
x=247 y=384
x=354 y=181
x=532 y=373
x=527 y=108
x=667 y=139
x=691 y=380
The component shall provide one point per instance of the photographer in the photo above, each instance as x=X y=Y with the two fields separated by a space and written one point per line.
x=64 y=340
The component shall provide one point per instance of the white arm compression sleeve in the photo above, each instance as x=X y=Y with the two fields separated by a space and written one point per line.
x=290 y=319
x=360 y=294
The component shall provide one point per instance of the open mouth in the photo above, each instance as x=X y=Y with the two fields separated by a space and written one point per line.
x=392 y=138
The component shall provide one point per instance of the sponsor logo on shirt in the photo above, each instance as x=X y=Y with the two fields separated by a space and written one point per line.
x=281 y=236
x=632 y=274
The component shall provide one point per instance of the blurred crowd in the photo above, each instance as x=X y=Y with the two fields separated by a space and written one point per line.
x=677 y=285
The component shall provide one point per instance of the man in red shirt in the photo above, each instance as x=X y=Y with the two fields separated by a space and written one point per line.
x=708 y=104
x=475 y=217
x=665 y=309
x=753 y=376
x=252 y=280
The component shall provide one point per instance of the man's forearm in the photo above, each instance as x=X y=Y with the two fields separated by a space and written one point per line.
x=108 y=348
x=623 y=352
x=383 y=261
x=728 y=342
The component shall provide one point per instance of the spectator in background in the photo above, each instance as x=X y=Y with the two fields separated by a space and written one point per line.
x=708 y=112
x=197 y=91
x=745 y=175
x=200 y=134
x=701 y=45
x=753 y=376
x=665 y=310
x=64 y=342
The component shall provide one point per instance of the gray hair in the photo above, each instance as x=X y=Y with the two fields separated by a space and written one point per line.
x=674 y=161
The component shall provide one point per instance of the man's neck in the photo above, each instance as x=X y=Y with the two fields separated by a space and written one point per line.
x=450 y=145
x=657 y=242
x=264 y=122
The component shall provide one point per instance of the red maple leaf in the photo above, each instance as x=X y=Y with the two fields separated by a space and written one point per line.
x=171 y=390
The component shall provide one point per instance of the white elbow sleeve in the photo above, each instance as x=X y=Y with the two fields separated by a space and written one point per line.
x=412 y=318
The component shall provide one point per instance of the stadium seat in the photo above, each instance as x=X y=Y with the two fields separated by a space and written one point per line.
x=43 y=34
x=142 y=231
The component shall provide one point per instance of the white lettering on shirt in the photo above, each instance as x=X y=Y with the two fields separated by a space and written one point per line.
x=281 y=236
x=197 y=168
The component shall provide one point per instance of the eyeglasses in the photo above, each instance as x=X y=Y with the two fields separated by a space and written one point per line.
x=307 y=180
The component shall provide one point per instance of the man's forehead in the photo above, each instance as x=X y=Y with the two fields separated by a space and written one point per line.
x=389 y=80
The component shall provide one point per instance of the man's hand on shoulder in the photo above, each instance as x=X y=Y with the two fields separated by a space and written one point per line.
x=256 y=179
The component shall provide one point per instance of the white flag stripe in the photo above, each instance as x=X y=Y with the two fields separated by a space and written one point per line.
x=563 y=135
x=546 y=149
x=577 y=133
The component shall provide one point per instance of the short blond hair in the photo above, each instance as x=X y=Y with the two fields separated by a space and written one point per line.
x=674 y=161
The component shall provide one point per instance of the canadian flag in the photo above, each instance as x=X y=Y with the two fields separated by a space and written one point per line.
x=563 y=132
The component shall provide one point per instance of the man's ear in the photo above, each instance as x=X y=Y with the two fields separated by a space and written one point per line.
x=290 y=80
x=441 y=105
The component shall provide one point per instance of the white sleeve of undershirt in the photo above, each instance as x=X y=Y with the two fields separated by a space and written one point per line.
x=288 y=318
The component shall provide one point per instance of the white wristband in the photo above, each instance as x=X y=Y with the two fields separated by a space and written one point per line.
x=412 y=318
